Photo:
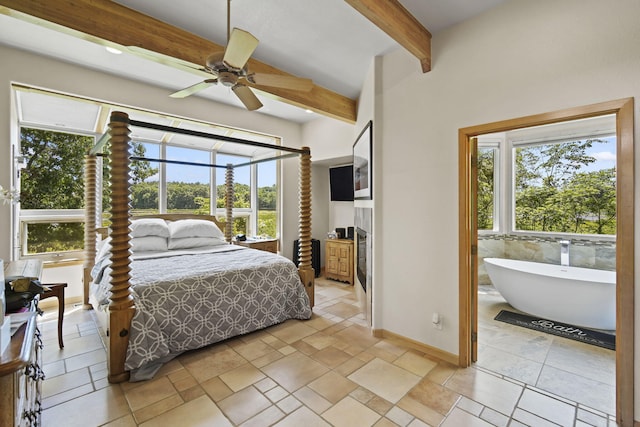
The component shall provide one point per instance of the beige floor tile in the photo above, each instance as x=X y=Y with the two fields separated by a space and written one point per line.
x=216 y=389
x=332 y=386
x=201 y=412
x=378 y=404
x=343 y=310
x=571 y=386
x=192 y=393
x=399 y=416
x=294 y=371
x=412 y=362
x=242 y=376
x=65 y=382
x=460 y=418
x=486 y=389
x=254 y=349
x=384 y=379
x=289 y=404
x=357 y=336
x=319 y=340
x=157 y=408
x=434 y=396
x=547 y=407
x=54 y=369
x=211 y=364
x=331 y=357
x=385 y=422
x=245 y=404
x=96 y=408
x=510 y=365
x=349 y=413
x=126 y=421
x=276 y=394
x=150 y=392
x=425 y=414
x=86 y=359
x=303 y=416
x=267 y=417
x=293 y=332
x=313 y=400
x=65 y=396
x=594 y=363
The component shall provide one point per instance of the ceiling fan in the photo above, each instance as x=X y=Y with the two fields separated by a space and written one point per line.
x=229 y=68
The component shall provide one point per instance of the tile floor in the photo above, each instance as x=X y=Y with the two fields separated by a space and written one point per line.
x=327 y=371
x=577 y=371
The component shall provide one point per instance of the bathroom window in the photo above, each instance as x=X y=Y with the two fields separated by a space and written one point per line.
x=564 y=178
x=488 y=178
x=558 y=178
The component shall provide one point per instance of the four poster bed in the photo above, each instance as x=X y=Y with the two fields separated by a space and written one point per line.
x=171 y=283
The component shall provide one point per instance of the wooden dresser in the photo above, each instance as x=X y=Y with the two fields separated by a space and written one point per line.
x=269 y=245
x=21 y=371
x=339 y=260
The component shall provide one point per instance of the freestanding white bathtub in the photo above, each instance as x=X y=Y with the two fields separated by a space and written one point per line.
x=574 y=295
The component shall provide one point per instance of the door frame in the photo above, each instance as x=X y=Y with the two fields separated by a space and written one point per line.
x=623 y=109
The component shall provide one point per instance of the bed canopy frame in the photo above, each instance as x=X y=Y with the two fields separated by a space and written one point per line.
x=122 y=305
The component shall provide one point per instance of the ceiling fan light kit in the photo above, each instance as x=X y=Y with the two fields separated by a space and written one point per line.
x=229 y=68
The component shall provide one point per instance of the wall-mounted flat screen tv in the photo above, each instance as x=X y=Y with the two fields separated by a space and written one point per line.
x=341 y=183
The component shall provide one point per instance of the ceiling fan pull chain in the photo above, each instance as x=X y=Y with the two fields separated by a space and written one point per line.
x=228 y=21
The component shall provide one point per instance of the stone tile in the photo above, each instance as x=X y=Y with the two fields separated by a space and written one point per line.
x=245 y=404
x=319 y=340
x=332 y=386
x=494 y=417
x=207 y=365
x=254 y=349
x=342 y=310
x=459 y=418
x=510 y=365
x=98 y=407
x=413 y=363
x=242 y=376
x=216 y=389
x=267 y=417
x=313 y=400
x=157 y=408
x=294 y=371
x=149 y=392
x=289 y=404
x=66 y=396
x=417 y=409
x=65 y=382
x=384 y=379
x=378 y=404
x=358 y=336
x=572 y=386
x=399 y=416
x=434 y=396
x=275 y=394
x=86 y=359
x=547 y=407
x=293 y=332
x=486 y=389
x=126 y=421
x=349 y=412
x=595 y=363
x=302 y=416
x=199 y=412
x=470 y=406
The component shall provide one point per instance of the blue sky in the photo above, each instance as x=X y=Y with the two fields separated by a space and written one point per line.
x=183 y=173
x=604 y=153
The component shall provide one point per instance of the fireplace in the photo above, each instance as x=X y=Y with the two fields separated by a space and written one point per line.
x=361 y=263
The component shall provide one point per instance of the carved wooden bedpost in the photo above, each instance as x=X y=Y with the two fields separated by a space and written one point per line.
x=90 y=173
x=228 y=203
x=121 y=308
x=305 y=269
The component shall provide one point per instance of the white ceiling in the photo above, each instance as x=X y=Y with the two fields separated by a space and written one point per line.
x=327 y=41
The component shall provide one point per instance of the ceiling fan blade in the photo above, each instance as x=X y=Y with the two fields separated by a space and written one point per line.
x=239 y=49
x=248 y=98
x=193 y=88
x=278 y=80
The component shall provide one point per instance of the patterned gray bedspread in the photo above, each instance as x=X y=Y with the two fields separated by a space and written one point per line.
x=188 y=301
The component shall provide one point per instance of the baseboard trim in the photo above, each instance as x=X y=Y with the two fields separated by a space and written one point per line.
x=426 y=349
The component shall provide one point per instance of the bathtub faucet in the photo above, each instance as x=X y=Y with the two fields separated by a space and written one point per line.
x=564 y=252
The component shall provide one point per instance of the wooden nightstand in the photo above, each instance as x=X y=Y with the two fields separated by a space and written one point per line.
x=269 y=245
x=339 y=260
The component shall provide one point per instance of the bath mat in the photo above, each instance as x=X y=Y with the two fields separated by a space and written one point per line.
x=564 y=330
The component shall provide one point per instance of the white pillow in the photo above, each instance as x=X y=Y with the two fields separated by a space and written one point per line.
x=194 y=228
x=194 y=242
x=148 y=243
x=149 y=227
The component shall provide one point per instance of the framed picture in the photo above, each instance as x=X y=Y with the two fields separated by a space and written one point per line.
x=362 y=165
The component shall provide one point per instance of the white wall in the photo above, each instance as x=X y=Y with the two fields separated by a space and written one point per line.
x=522 y=58
x=29 y=69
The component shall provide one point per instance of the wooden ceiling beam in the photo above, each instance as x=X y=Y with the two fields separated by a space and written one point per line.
x=107 y=22
x=392 y=18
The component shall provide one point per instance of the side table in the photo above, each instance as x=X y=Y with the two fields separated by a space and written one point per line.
x=56 y=290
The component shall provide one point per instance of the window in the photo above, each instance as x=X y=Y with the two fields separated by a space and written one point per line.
x=51 y=212
x=50 y=179
x=487 y=186
x=562 y=187
x=562 y=179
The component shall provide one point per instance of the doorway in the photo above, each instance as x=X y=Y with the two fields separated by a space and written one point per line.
x=468 y=245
